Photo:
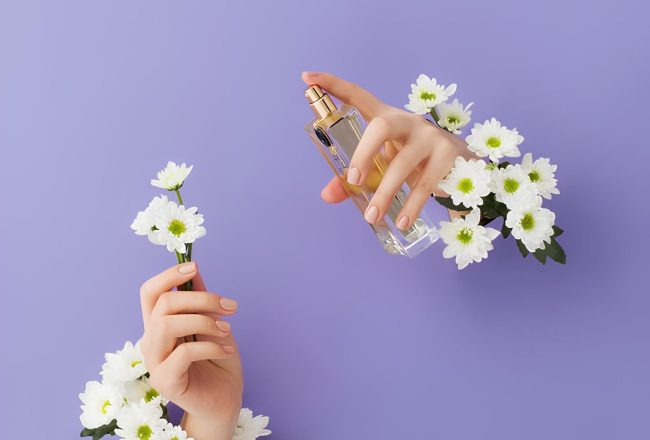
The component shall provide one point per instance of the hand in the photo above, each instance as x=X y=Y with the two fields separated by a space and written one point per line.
x=419 y=152
x=203 y=377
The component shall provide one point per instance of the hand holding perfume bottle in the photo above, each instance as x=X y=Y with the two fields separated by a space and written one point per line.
x=374 y=164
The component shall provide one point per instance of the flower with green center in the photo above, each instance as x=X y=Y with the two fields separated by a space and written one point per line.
x=426 y=93
x=532 y=224
x=172 y=432
x=542 y=175
x=512 y=186
x=493 y=140
x=172 y=176
x=467 y=183
x=140 y=421
x=140 y=390
x=176 y=227
x=100 y=404
x=467 y=241
x=124 y=365
x=452 y=117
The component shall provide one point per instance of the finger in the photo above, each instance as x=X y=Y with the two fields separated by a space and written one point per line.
x=349 y=93
x=168 y=329
x=197 y=281
x=165 y=281
x=380 y=130
x=173 y=369
x=434 y=171
x=334 y=191
x=398 y=171
x=173 y=303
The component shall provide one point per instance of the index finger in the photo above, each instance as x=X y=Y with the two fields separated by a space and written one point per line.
x=349 y=93
x=165 y=281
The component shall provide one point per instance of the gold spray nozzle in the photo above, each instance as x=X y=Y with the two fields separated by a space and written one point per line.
x=320 y=102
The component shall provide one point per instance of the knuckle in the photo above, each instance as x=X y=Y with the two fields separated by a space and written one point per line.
x=164 y=303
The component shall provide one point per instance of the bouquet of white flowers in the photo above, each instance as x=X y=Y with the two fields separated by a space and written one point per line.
x=124 y=403
x=484 y=191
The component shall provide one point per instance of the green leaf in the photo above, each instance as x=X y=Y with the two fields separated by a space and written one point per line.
x=485 y=220
x=505 y=231
x=540 y=254
x=555 y=251
x=503 y=164
x=557 y=231
x=97 y=433
x=447 y=203
x=522 y=248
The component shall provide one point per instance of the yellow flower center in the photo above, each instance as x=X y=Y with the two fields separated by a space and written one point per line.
x=465 y=235
x=176 y=227
x=510 y=185
x=493 y=142
x=426 y=96
x=465 y=185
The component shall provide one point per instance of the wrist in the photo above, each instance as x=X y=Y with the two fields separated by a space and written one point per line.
x=221 y=427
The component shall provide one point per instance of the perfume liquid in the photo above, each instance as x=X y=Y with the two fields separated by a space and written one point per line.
x=337 y=132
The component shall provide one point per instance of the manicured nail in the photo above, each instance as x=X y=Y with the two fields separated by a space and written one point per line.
x=228 y=349
x=223 y=325
x=187 y=268
x=228 y=304
x=310 y=73
x=371 y=214
x=403 y=222
x=354 y=176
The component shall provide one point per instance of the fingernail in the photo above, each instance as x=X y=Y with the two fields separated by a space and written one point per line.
x=186 y=268
x=228 y=304
x=228 y=349
x=371 y=214
x=310 y=73
x=223 y=325
x=354 y=176
x=403 y=222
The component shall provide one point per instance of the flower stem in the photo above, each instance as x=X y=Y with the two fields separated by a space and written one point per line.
x=178 y=195
x=434 y=115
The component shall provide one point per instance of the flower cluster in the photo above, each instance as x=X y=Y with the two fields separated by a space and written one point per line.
x=483 y=190
x=125 y=404
x=170 y=224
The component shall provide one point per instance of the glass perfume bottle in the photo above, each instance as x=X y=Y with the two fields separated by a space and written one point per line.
x=337 y=132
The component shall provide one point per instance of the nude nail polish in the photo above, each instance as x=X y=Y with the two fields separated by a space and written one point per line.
x=403 y=222
x=228 y=304
x=187 y=268
x=371 y=214
x=223 y=326
x=354 y=176
x=336 y=131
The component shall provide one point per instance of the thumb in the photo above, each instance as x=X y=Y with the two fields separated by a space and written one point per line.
x=334 y=191
x=348 y=93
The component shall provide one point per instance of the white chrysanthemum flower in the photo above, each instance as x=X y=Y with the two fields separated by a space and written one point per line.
x=140 y=421
x=467 y=183
x=124 y=365
x=101 y=403
x=172 y=432
x=466 y=239
x=426 y=93
x=493 y=140
x=172 y=176
x=512 y=186
x=135 y=391
x=145 y=220
x=249 y=427
x=452 y=117
x=176 y=227
x=541 y=174
x=532 y=224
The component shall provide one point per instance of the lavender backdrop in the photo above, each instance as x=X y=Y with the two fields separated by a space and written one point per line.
x=339 y=340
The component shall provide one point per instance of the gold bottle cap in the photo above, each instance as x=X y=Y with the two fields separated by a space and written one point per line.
x=320 y=102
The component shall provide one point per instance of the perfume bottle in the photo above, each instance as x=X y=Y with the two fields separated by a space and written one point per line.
x=337 y=132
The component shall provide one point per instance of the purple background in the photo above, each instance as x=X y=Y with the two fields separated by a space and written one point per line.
x=339 y=340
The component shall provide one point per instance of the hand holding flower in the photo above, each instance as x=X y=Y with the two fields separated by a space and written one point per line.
x=203 y=377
